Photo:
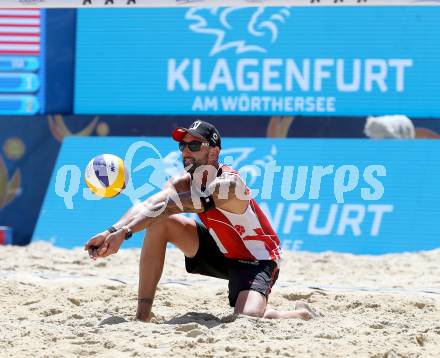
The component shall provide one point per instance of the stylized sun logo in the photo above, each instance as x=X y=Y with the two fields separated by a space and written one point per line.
x=227 y=23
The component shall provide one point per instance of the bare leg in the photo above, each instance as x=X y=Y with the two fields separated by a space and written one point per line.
x=178 y=230
x=303 y=313
x=252 y=303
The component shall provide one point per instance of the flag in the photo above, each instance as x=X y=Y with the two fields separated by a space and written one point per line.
x=19 y=32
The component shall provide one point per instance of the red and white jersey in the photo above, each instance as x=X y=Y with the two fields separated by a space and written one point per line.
x=247 y=236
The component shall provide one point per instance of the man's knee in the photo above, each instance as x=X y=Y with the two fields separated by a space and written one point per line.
x=177 y=230
x=250 y=311
x=162 y=227
x=250 y=303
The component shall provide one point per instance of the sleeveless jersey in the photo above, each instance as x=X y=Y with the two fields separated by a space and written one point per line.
x=247 y=236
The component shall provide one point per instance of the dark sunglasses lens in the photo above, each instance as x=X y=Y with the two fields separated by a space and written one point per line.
x=193 y=146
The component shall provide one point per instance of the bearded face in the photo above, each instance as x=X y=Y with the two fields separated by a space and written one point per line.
x=192 y=162
x=199 y=156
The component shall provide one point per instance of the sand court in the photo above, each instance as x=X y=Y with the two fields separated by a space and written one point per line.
x=58 y=303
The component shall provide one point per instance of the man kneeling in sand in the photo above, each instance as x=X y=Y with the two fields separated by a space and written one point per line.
x=235 y=241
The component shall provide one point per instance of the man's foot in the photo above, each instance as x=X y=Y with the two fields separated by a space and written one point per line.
x=304 y=311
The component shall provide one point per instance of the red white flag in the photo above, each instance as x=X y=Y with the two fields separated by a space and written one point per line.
x=19 y=31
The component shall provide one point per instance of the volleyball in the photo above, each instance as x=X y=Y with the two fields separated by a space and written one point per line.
x=106 y=175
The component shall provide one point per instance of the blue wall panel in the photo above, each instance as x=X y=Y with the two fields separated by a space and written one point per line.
x=378 y=196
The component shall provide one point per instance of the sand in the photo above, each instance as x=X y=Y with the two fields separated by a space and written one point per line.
x=58 y=303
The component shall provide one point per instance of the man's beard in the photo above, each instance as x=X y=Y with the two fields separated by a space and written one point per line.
x=192 y=164
x=189 y=165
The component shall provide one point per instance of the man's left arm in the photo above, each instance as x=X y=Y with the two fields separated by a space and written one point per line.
x=230 y=193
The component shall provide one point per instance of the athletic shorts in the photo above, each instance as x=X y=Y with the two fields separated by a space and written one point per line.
x=242 y=275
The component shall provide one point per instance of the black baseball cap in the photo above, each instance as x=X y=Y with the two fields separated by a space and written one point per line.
x=200 y=129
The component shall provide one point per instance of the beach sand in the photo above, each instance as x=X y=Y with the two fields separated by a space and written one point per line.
x=58 y=303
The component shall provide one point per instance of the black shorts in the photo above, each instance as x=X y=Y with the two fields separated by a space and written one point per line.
x=242 y=275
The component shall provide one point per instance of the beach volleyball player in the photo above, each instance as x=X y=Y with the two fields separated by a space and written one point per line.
x=235 y=241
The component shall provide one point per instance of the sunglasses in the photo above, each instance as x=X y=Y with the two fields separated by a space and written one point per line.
x=193 y=146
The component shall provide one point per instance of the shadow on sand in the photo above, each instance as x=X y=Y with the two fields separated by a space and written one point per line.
x=205 y=319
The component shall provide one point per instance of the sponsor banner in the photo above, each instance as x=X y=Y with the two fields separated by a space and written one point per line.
x=333 y=194
x=259 y=61
x=195 y=3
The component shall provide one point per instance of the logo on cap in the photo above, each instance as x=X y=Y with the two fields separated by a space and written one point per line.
x=195 y=125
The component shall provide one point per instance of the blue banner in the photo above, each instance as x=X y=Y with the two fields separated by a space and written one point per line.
x=22 y=193
x=256 y=61
x=358 y=196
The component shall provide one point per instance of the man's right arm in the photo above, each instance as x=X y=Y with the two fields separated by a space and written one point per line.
x=98 y=240
x=174 y=198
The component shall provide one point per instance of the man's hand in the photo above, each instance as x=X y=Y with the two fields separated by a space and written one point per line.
x=111 y=244
x=94 y=243
x=104 y=244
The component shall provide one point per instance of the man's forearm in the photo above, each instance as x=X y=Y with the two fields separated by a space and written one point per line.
x=127 y=217
x=145 y=214
x=141 y=208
